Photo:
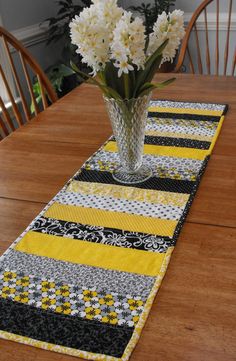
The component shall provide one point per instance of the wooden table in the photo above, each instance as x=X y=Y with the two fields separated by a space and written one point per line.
x=194 y=314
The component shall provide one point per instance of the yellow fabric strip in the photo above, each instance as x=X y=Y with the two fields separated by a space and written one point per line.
x=186 y=111
x=179 y=152
x=129 y=193
x=92 y=254
x=216 y=135
x=98 y=217
x=178 y=135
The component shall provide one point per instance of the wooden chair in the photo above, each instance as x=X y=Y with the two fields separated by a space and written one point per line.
x=30 y=67
x=185 y=55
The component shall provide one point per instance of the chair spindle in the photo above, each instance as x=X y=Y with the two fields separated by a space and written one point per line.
x=234 y=63
x=44 y=100
x=6 y=115
x=11 y=98
x=224 y=62
x=198 y=50
x=208 y=59
x=190 y=61
x=17 y=81
x=27 y=77
x=227 y=37
x=217 y=36
x=3 y=126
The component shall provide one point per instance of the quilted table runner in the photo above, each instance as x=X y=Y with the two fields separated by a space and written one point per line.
x=82 y=277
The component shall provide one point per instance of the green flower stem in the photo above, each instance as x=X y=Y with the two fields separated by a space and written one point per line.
x=126 y=86
x=101 y=76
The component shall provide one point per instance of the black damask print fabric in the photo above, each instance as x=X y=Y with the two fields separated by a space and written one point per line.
x=110 y=236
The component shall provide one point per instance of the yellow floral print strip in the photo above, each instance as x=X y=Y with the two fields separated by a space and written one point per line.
x=135 y=194
x=61 y=298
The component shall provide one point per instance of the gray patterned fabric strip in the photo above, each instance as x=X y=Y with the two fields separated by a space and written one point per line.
x=192 y=127
x=115 y=281
x=185 y=105
x=122 y=205
x=185 y=168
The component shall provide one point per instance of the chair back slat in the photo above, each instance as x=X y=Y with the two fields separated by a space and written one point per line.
x=217 y=36
x=17 y=80
x=204 y=63
x=11 y=98
x=3 y=126
x=234 y=63
x=199 y=59
x=29 y=69
x=190 y=60
x=44 y=99
x=208 y=58
x=27 y=77
x=6 y=115
x=227 y=37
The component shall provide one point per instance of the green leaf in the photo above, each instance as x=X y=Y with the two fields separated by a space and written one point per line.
x=38 y=100
x=147 y=72
x=112 y=80
x=148 y=87
x=32 y=110
x=112 y=93
x=36 y=88
x=62 y=11
x=154 y=68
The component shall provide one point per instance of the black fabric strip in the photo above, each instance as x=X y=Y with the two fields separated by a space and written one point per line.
x=161 y=184
x=209 y=118
x=63 y=330
x=110 y=236
x=225 y=109
x=175 y=142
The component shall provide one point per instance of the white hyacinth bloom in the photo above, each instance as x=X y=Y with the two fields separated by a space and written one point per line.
x=127 y=47
x=124 y=66
x=92 y=32
x=105 y=32
x=168 y=26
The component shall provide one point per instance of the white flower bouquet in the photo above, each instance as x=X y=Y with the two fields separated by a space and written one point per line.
x=123 y=61
x=122 y=57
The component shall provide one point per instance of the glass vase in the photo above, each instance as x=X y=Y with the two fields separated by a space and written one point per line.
x=128 y=119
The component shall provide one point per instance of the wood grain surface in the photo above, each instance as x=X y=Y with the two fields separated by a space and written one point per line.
x=194 y=314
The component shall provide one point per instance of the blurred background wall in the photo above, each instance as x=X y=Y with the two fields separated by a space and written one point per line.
x=23 y=18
